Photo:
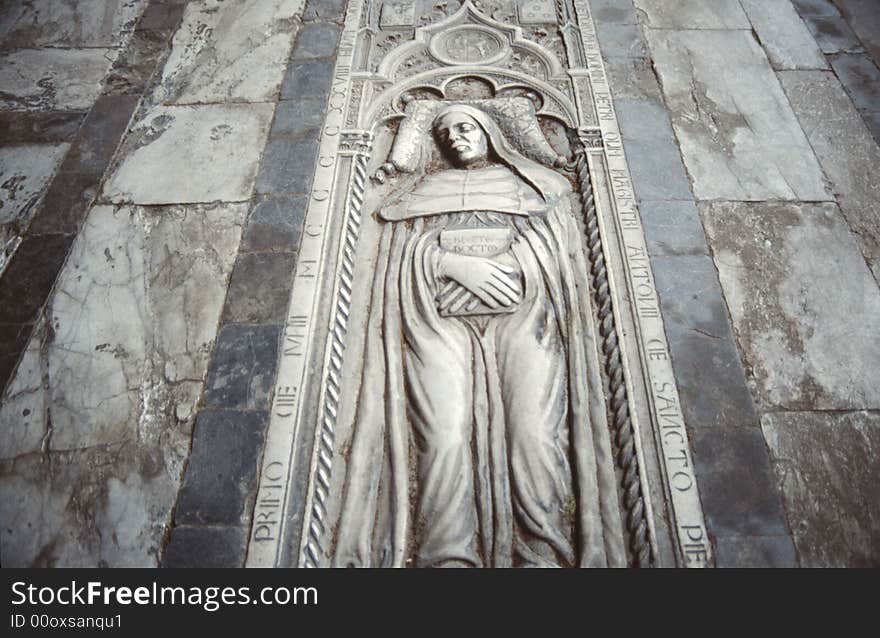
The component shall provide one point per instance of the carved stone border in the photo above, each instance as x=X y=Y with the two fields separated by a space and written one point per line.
x=652 y=357
x=272 y=515
x=614 y=234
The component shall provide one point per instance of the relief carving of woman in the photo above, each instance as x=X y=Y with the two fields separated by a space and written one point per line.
x=480 y=438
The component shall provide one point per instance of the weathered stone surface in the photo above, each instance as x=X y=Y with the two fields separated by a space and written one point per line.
x=846 y=150
x=654 y=158
x=707 y=366
x=805 y=308
x=307 y=79
x=622 y=40
x=160 y=16
x=241 y=372
x=864 y=18
x=288 y=165
x=737 y=483
x=222 y=472
x=693 y=14
x=738 y=135
x=52 y=79
x=65 y=203
x=13 y=342
x=133 y=320
x=860 y=77
x=29 y=277
x=275 y=224
x=111 y=386
x=24 y=173
x=613 y=12
x=657 y=170
x=294 y=118
x=754 y=551
x=35 y=127
x=23 y=415
x=316 y=40
x=325 y=9
x=134 y=67
x=828 y=27
x=259 y=288
x=100 y=135
x=96 y=507
x=84 y=23
x=828 y=468
x=673 y=228
x=206 y=547
x=784 y=35
x=191 y=154
x=229 y=52
x=632 y=78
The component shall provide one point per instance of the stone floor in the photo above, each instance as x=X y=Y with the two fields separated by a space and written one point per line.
x=154 y=156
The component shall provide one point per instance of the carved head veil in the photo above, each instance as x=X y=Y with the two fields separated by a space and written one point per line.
x=522 y=166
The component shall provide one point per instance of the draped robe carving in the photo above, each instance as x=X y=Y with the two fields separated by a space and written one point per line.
x=480 y=437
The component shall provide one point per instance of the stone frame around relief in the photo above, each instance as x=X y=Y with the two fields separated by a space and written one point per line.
x=293 y=515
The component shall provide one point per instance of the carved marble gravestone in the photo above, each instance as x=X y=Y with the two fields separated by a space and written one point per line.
x=474 y=369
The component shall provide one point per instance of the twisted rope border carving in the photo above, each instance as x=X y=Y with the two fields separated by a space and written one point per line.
x=636 y=523
x=316 y=526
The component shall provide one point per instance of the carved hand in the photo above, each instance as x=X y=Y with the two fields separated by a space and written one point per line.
x=493 y=283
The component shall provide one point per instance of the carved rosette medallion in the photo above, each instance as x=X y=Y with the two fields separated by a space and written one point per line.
x=468 y=44
x=474 y=371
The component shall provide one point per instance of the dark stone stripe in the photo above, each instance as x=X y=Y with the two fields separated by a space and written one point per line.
x=47 y=127
x=221 y=476
x=94 y=137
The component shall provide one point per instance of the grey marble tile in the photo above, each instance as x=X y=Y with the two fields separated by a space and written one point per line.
x=783 y=34
x=707 y=364
x=221 y=476
x=275 y=224
x=288 y=165
x=673 y=228
x=864 y=18
x=693 y=14
x=24 y=173
x=309 y=79
x=805 y=307
x=613 y=12
x=755 y=551
x=316 y=40
x=34 y=127
x=259 y=288
x=53 y=79
x=120 y=364
x=860 y=77
x=737 y=485
x=243 y=368
x=229 y=52
x=657 y=170
x=191 y=154
x=84 y=23
x=738 y=134
x=846 y=150
x=828 y=469
x=206 y=547
x=100 y=135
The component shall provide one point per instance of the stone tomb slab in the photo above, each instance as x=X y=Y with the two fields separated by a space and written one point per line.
x=390 y=337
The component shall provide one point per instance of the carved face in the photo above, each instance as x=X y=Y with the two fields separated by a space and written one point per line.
x=463 y=140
